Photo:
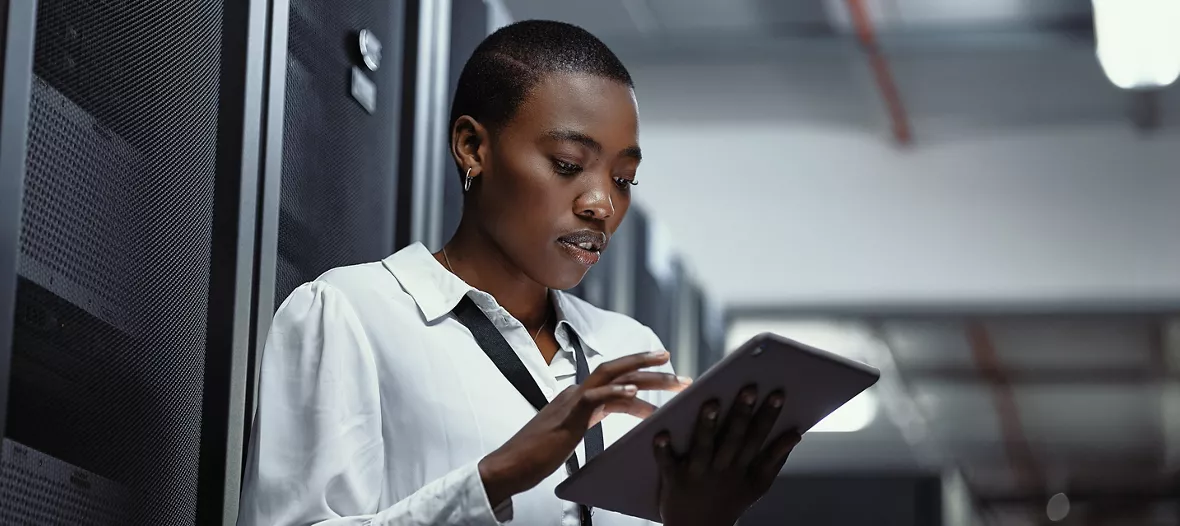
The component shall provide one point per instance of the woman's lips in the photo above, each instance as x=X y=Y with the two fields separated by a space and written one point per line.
x=586 y=256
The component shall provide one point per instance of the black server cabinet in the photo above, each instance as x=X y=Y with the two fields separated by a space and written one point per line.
x=130 y=186
x=338 y=203
x=710 y=334
x=654 y=301
x=331 y=179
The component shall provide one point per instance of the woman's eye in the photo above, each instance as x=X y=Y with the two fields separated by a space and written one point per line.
x=565 y=168
x=625 y=184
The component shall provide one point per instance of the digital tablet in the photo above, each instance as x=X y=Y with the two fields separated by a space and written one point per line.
x=624 y=478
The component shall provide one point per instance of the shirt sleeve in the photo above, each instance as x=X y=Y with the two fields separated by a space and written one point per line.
x=317 y=456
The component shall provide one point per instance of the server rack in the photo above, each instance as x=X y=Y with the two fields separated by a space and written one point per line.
x=654 y=299
x=331 y=172
x=338 y=189
x=686 y=322
x=130 y=160
x=711 y=333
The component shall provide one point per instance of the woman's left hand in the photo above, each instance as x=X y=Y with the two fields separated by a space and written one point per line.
x=726 y=469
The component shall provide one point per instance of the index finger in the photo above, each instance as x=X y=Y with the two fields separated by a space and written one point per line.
x=607 y=372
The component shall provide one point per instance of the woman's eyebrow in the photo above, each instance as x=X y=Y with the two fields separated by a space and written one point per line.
x=573 y=136
x=569 y=135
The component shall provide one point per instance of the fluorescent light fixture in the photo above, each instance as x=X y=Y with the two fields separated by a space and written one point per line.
x=850 y=340
x=1138 y=41
x=846 y=339
x=853 y=416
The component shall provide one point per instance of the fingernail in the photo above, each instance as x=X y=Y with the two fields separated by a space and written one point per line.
x=684 y=380
x=748 y=398
x=630 y=389
x=657 y=354
x=776 y=401
x=711 y=414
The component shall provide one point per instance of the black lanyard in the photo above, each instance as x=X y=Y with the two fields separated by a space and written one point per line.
x=500 y=352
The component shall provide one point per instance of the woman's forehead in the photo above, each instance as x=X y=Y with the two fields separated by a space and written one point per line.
x=599 y=107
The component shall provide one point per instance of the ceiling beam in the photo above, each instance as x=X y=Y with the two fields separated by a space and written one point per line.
x=1096 y=309
x=1119 y=376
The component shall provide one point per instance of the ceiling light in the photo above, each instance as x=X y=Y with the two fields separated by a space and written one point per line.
x=1058 y=507
x=846 y=339
x=853 y=416
x=1138 y=44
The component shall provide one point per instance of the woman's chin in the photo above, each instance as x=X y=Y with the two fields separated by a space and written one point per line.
x=565 y=279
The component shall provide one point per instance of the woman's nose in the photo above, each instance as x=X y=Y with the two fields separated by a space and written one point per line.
x=595 y=204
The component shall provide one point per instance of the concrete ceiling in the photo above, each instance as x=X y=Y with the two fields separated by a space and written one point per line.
x=957 y=63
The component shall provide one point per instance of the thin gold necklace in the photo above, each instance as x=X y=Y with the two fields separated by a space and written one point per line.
x=451 y=269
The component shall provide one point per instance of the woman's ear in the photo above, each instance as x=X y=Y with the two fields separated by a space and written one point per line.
x=469 y=139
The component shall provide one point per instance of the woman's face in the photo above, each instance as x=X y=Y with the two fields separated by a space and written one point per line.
x=555 y=180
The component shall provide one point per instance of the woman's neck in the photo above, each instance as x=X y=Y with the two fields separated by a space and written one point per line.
x=482 y=264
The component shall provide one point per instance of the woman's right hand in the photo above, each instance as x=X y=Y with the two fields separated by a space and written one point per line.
x=546 y=441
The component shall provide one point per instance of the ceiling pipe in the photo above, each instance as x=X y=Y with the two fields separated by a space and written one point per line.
x=881 y=73
x=1016 y=445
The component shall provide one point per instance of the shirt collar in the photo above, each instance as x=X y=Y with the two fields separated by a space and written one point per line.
x=436 y=291
x=571 y=312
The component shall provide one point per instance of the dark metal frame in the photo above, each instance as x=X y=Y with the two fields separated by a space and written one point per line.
x=422 y=134
x=469 y=22
x=404 y=195
x=244 y=43
x=17 y=34
x=267 y=241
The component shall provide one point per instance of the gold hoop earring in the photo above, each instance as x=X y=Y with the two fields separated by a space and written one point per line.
x=467 y=181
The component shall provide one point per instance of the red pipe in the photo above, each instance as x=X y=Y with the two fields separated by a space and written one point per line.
x=1016 y=445
x=881 y=72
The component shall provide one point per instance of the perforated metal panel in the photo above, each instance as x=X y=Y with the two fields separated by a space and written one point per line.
x=39 y=489
x=339 y=161
x=116 y=235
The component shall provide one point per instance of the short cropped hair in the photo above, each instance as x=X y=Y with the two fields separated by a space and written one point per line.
x=510 y=62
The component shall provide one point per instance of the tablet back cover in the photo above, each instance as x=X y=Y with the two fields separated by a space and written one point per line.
x=624 y=478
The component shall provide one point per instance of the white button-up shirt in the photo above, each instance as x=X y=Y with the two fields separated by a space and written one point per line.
x=375 y=404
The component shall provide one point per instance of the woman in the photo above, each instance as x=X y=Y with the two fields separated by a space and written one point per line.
x=378 y=403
